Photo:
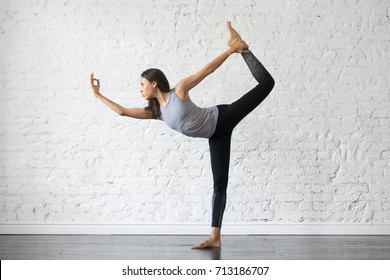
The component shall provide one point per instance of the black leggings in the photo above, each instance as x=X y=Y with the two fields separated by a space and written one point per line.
x=229 y=117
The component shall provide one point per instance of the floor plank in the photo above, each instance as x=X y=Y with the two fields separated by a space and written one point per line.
x=161 y=247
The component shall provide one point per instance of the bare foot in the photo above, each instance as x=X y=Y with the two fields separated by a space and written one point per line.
x=233 y=36
x=212 y=242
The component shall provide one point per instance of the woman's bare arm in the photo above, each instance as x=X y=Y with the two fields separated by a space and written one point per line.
x=184 y=86
x=138 y=113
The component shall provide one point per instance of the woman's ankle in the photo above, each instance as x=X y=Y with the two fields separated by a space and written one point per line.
x=215 y=233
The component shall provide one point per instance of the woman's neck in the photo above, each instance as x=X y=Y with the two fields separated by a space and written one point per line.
x=162 y=97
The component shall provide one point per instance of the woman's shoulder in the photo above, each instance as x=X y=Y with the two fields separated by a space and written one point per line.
x=181 y=94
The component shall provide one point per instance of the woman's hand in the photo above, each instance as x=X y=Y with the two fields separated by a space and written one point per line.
x=239 y=47
x=95 y=87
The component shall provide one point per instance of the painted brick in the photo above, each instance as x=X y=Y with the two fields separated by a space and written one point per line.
x=316 y=150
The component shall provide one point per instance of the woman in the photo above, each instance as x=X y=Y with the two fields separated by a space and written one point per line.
x=216 y=123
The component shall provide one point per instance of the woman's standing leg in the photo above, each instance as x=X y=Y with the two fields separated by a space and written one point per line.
x=220 y=160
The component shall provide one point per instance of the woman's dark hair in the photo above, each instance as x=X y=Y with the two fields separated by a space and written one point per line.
x=156 y=75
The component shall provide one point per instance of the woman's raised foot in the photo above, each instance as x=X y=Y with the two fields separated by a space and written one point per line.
x=233 y=36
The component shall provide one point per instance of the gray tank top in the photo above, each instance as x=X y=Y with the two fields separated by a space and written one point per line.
x=187 y=118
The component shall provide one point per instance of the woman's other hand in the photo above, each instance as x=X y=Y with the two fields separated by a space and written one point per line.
x=95 y=87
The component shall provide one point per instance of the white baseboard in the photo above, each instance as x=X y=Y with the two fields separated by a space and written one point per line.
x=196 y=229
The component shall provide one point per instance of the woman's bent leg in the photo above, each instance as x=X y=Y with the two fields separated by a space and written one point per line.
x=236 y=111
x=256 y=67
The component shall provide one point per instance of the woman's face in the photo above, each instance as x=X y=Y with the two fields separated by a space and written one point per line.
x=147 y=89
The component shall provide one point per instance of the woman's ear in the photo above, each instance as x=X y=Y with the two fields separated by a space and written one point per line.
x=154 y=84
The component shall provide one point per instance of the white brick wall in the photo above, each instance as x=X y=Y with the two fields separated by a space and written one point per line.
x=317 y=150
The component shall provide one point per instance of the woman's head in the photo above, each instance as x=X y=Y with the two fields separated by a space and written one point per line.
x=151 y=80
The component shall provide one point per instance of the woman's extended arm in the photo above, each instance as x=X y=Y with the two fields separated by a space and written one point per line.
x=138 y=113
x=183 y=87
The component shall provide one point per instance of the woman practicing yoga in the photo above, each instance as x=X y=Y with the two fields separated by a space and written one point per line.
x=175 y=108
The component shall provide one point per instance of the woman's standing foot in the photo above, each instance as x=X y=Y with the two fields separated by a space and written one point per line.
x=214 y=240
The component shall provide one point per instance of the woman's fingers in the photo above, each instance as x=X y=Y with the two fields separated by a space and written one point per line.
x=240 y=47
x=92 y=80
x=95 y=84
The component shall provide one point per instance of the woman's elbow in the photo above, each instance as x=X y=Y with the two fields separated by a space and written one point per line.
x=121 y=112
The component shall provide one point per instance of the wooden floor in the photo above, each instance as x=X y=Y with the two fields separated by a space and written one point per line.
x=160 y=247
